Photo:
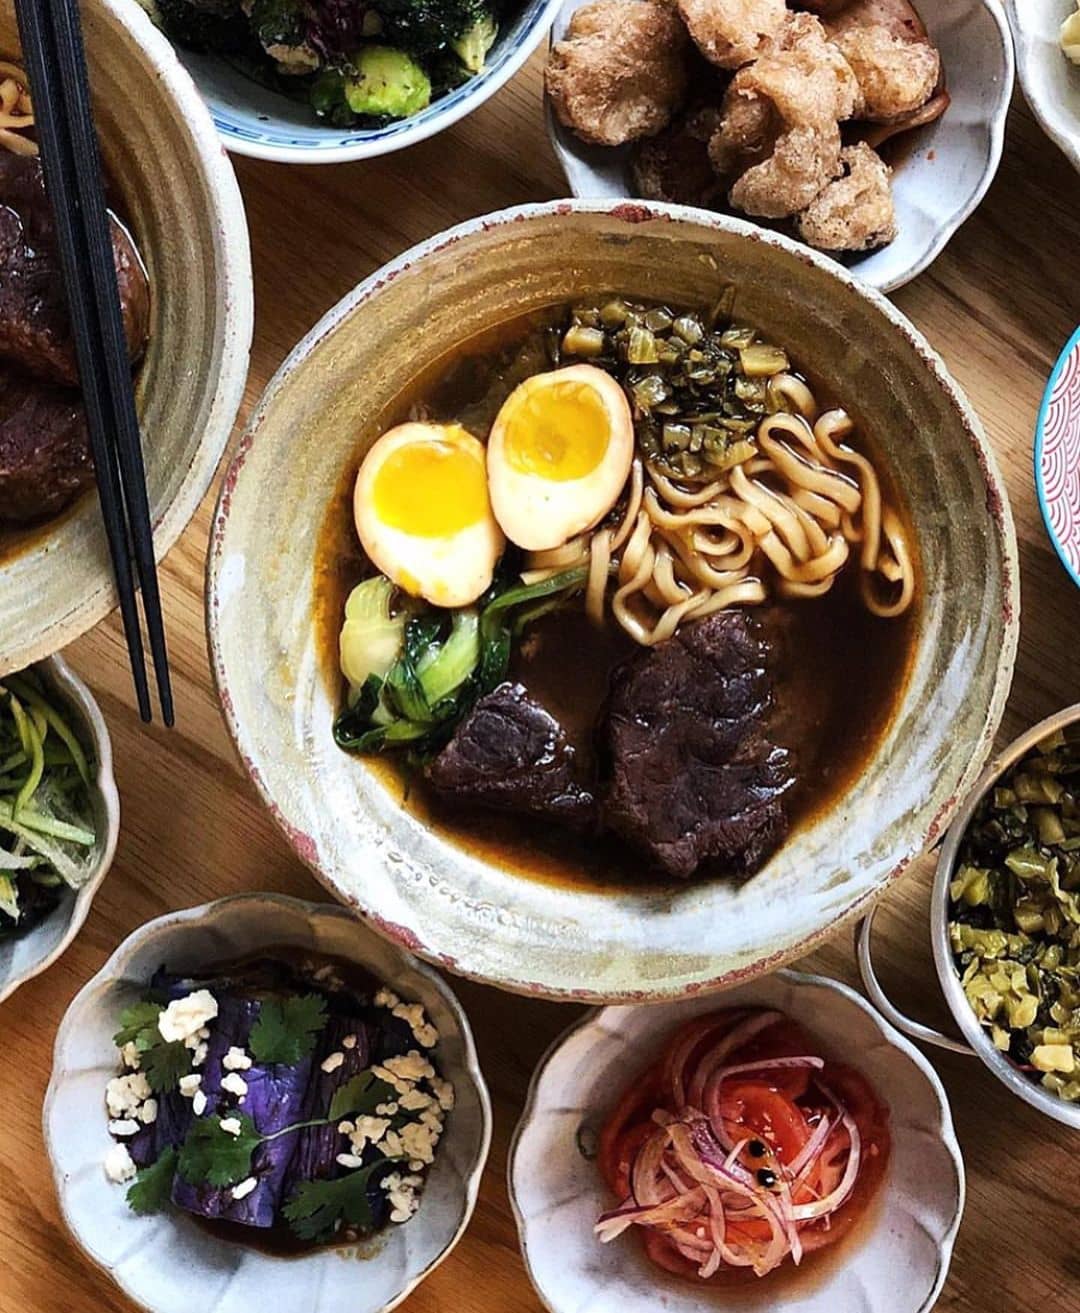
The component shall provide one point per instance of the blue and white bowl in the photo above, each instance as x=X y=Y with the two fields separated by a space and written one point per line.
x=254 y=120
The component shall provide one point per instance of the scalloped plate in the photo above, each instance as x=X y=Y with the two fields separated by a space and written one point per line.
x=168 y=1263
x=897 y=1260
x=1051 y=84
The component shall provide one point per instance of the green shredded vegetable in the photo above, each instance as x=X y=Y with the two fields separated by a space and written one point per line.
x=47 y=830
x=1014 y=907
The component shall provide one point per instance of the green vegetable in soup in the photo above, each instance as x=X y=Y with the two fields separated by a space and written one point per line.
x=1014 y=907
x=370 y=637
x=388 y=83
x=443 y=661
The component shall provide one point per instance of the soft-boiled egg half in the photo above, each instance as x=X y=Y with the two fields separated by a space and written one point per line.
x=559 y=455
x=423 y=512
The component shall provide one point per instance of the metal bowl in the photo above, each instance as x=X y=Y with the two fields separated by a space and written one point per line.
x=975 y=1039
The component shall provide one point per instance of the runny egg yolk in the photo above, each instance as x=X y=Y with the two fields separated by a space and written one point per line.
x=559 y=432
x=431 y=489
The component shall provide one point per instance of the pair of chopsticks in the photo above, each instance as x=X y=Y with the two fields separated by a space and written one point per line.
x=52 y=42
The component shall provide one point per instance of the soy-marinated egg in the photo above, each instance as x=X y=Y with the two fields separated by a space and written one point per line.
x=423 y=513
x=558 y=455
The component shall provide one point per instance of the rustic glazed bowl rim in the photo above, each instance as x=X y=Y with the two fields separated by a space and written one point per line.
x=571 y=160
x=893 y=1038
x=1027 y=65
x=629 y=212
x=95 y=733
x=1071 y=346
x=236 y=294
x=114 y=967
x=977 y=1038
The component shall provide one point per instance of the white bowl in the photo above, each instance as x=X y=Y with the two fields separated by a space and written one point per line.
x=1051 y=83
x=941 y=176
x=28 y=955
x=167 y=1263
x=897 y=1260
x=254 y=120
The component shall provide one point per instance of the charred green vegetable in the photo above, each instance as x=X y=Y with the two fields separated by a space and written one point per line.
x=698 y=384
x=1015 y=914
x=46 y=824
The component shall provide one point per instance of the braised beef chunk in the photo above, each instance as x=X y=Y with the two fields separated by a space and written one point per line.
x=44 y=448
x=691 y=776
x=509 y=753
x=35 y=332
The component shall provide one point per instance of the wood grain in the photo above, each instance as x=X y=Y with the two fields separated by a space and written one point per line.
x=998 y=304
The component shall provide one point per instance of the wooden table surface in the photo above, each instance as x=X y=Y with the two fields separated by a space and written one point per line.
x=998 y=304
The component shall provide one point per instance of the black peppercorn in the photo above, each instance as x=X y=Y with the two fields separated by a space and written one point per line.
x=766 y=1177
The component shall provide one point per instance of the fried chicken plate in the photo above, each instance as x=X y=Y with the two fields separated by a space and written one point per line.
x=787 y=131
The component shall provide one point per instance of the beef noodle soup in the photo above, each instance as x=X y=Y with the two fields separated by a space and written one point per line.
x=45 y=460
x=617 y=595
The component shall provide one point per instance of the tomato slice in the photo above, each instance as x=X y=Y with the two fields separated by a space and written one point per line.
x=630 y=1118
x=752 y=1109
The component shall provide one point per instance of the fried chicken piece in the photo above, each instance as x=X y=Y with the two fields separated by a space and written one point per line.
x=730 y=33
x=675 y=166
x=884 y=41
x=779 y=137
x=854 y=212
x=620 y=73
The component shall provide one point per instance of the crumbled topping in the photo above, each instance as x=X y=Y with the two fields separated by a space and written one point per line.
x=198 y=1103
x=368 y=1130
x=245 y=1187
x=349 y=1042
x=234 y=1083
x=414 y=1100
x=198 y=1056
x=124 y=1127
x=401 y=1195
x=418 y=1141
x=332 y=1062
x=130 y=1055
x=350 y=1160
x=423 y=1031
x=119 y=1165
x=444 y=1092
x=123 y=1094
x=346 y=1128
x=189 y=1085
x=148 y=1112
x=386 y=1109
x=231 y=1125
x=236 y=1060
x=386 y=998
x=185 y=1017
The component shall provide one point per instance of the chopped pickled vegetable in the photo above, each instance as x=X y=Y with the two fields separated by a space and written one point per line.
x=1014 y=906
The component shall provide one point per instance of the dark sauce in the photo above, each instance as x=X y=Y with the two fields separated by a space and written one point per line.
x=839 y=671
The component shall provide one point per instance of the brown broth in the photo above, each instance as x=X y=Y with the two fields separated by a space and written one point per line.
x=842 y=698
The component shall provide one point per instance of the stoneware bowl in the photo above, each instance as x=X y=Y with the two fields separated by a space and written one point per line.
x=1057 y=456
x=411 y=881
x=942 y=171
x=178 y=193
x=167 y=1263
x=896 y=1260
x=975 y=1038
x=255 y=120
x=27 y=956
x=1051 y=83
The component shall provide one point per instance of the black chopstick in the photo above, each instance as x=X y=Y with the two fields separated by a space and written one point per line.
x=52 y=43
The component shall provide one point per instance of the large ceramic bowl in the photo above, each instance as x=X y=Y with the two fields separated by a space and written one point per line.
x=1051 y=83
x=27 y=955
x=179 y=194
x=1057 y=455
x=410 y=881
x=896 y=1262
x=167 y=1263
x=255 y=120
x=941 y=173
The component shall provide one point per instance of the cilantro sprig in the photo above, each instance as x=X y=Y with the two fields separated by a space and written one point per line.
x=152 y=1187
x=360 y=1096
x=287 y=1029
x=317 y=1209
x=163 y=1062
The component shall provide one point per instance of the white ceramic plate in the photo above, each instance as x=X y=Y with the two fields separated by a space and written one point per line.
x=27 y=956
x=945 y=170
x=167 y=1263
x=1051 y=83
x=896 y=1262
